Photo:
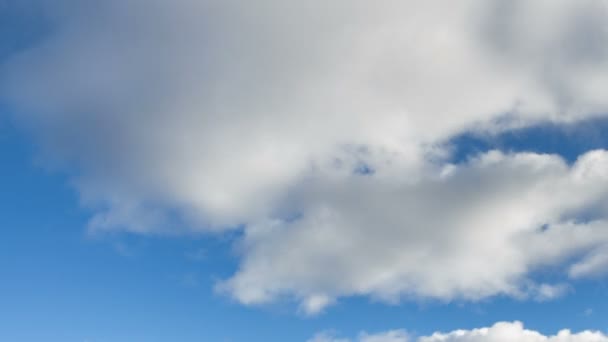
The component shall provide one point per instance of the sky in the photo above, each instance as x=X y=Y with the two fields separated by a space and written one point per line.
x=343 y=171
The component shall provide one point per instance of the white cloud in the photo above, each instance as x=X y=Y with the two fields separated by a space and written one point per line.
x=208 y=115
x=594 y=265
x=505 y=331
x=213 y=108
x=546 y=292
x=499 y=332
x=473 y=231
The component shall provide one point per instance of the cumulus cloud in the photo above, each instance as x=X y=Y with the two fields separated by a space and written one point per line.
x=213 y=108
x=319 y=127
x=462 y=231
x=504 y=331
x=499 y=332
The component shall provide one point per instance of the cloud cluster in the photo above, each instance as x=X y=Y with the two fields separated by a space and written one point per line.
x=320 y=128
x=462 y=231
x=499 y=332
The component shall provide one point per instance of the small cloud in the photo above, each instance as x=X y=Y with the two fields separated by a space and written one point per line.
x=315 y=304
x=389 y=336
x=547 y=292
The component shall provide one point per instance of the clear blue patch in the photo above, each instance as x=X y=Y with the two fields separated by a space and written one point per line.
x=364 y=169
x=567 y=140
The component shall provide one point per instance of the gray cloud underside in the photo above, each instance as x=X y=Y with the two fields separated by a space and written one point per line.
x=189 y=116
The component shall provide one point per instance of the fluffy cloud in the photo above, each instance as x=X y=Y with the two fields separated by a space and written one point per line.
x=504 y=331
x=319 y=127
x=462 y=231
x=212 y=109
x=499 y=332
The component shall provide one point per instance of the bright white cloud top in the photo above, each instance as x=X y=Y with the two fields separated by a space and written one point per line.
x=499 y=332
x=211 y=115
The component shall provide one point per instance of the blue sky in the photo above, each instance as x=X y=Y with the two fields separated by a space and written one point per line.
x=164 y=179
